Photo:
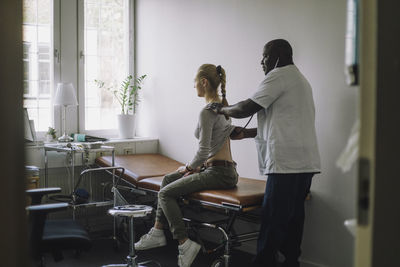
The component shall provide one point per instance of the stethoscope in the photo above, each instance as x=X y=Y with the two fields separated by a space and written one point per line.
x=276 y=64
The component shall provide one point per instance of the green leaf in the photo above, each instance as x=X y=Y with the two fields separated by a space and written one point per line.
x=127 y=92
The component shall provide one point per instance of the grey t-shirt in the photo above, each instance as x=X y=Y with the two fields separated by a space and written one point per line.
x=212 y=131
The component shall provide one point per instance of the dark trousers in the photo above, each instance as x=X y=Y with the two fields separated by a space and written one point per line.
x=282 y=219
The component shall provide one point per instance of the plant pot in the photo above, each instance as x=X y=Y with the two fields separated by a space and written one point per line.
x=49 y=138
x=126 y=125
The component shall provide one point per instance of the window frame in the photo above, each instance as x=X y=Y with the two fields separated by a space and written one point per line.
x=57 y=120
x=55 y=68
x=108 y=133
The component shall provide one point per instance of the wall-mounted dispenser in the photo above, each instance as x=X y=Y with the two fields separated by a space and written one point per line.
x=351 y=50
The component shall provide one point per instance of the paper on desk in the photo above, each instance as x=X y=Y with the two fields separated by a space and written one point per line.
x=350 y=153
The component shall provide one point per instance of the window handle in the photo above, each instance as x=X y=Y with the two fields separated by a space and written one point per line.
x=57 y=55
x=82 y=55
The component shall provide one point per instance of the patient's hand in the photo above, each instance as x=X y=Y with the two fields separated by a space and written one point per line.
x=182 y=169
x=188 y=173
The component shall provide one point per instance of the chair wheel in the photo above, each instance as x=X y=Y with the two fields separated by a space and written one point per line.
x=219 y=262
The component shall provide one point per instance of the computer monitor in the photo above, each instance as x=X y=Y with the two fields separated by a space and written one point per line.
x=30 y=133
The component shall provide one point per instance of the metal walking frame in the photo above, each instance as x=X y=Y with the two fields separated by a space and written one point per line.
x=114 y=202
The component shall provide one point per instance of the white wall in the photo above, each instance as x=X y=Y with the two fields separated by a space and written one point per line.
x=175 y=37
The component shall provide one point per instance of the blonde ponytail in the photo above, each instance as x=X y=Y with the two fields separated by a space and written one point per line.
x=222 y=77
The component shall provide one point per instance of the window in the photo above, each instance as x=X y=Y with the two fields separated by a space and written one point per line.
x=78 y=42
x=106 y=56
x=38 y=74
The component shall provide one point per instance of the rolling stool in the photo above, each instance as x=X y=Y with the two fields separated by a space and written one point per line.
x=131 y=212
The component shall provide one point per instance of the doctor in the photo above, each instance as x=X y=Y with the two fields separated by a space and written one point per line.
x=287 y=151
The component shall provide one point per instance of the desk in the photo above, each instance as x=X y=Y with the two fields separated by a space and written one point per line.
x=71 y=150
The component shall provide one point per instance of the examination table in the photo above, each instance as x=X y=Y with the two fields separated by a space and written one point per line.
x=144 y=172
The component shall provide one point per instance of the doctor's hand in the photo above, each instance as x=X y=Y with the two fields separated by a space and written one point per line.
x=237 y=133
x=215 y=107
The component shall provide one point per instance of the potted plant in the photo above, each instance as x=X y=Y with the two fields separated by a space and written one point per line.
x=51 y=134
x=127 y=95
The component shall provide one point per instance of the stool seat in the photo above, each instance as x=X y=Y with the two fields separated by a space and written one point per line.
x=134 y=211
x=131 y=211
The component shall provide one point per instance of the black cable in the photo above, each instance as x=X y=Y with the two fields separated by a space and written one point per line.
x=241 y=130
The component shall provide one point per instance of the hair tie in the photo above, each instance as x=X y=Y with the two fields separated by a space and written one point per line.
x=219 y=70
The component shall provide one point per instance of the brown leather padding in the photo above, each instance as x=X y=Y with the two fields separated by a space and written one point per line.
x=247 y=193
x=140 y=166
x=147 y=171
x=152 y=183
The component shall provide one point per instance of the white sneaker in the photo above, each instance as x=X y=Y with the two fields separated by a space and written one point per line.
x=187 y=253
x=153 y=239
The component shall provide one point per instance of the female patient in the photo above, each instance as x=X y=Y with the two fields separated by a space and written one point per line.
x=214 y=155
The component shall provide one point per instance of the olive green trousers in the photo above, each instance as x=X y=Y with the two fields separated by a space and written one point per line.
x=174 y=186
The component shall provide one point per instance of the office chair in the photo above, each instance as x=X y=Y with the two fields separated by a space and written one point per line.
x=55 y=235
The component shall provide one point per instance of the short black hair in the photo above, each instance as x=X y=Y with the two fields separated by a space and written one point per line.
x=282 y=48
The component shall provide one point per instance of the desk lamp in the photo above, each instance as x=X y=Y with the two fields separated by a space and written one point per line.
x=65 y=96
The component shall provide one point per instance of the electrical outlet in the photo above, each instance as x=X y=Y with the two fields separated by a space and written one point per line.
x=128 y=151
x=103 y=153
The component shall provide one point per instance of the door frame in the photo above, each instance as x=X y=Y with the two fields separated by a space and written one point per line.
x=377 y=239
